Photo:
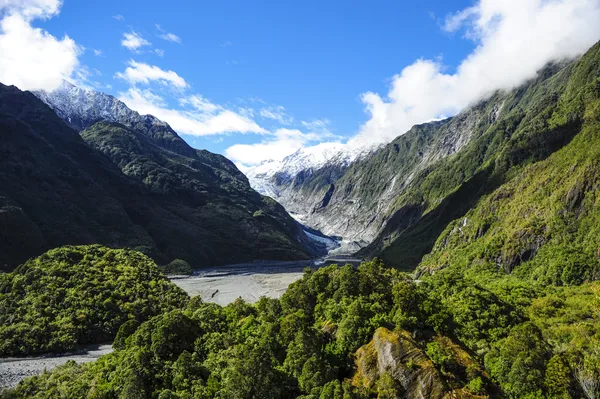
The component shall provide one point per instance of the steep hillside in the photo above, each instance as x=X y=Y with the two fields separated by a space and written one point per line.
x=56 y=189
x=536 y=120
x=544 y=223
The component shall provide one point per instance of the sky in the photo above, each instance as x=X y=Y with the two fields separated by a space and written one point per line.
x=257 y=80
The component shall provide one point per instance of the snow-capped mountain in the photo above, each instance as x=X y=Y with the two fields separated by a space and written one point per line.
x=81 y=108
x=272 y=176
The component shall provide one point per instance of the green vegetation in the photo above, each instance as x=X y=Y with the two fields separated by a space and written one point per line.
x=517 y=129
x=141 y=187
x=302 y=345
x=73 y=296
x=446 y=335
x=177 y=266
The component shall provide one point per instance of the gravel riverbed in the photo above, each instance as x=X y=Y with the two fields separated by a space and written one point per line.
x=14 y=369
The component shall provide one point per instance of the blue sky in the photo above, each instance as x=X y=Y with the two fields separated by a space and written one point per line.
x=314 y=58
x=289 y=74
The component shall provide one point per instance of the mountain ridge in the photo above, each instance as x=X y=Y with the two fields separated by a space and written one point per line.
x=86 y=195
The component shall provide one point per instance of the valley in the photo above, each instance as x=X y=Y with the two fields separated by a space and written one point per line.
x=164 y=237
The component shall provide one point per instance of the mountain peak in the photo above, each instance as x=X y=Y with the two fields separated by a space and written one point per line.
x=81 y=108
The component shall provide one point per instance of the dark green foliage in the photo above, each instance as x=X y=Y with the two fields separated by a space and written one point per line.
x=178 y=266
x=531 y=123
x=303 y=345
x=518 y=362
x=73 y=296
x=300 y=345
x=140 y=187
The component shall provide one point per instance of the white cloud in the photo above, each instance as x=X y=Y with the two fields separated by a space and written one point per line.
x=138 y=72
x=159 y=52
x=276 y=113
x=201 y=104
x=199 y=118
x=171 y=37
x=97 y=52
x=279 y=144
x=119 y=17
x=515 y=38
x=32 y=58
x=226 y=44
x=318 y=125
x=133 y=41
x=31 y=9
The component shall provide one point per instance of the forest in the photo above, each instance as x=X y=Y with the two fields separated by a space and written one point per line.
x=345 y=332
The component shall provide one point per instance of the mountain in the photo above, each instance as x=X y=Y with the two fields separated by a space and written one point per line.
x=498 y=209
x=139 y=186
x=81 y=108
x=394 y=201
x=535 y=120
x=292 y=179
x=543 y=223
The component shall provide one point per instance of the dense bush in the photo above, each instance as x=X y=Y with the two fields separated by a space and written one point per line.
x=79 y=295
x=304 y=344
x=178 y=266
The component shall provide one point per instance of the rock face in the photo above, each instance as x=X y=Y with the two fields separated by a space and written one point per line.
x=395 y=354
x=140 y=187
x=392 y=365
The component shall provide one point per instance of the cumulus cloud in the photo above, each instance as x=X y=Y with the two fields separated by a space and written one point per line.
x=139 y=72
x=133 y=41
x=198 y=117
x=159 y=52
x=515 y=39
x=32 y=58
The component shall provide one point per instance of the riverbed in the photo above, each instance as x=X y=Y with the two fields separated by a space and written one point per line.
x=13 y=370
x=249 y=281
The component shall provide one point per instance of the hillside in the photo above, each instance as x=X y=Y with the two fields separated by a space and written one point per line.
x=544 y=223
x=394 y=202
x=56 y=189
x=536 y=120
x=74 y=296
